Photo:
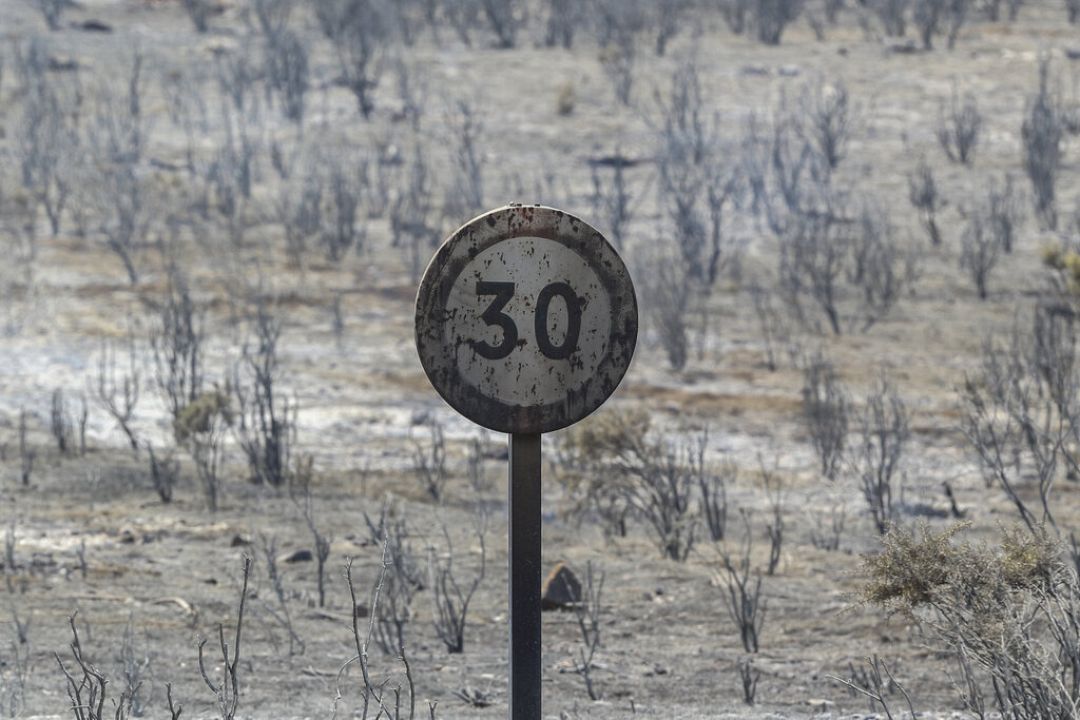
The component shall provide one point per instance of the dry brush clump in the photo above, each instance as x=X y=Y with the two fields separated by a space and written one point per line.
x=1009 y=615
x=201 y=429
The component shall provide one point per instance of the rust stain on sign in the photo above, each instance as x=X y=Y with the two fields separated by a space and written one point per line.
x=526 y=319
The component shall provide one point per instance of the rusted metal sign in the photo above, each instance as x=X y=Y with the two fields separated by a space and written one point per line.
x=526 y=319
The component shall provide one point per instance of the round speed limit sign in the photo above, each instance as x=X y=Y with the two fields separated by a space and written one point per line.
x=526 y=320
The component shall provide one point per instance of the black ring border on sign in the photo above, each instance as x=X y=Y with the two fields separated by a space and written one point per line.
x=483 y=232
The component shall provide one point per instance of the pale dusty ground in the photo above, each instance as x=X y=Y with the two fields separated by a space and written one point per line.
x=669 y=649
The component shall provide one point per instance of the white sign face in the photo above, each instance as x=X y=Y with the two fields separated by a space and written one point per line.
x=526 y=320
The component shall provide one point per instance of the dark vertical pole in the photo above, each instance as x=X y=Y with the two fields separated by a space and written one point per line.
x=524 y=577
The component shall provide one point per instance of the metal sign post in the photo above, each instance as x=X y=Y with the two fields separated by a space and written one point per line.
x=525 y=574
x=526 y=321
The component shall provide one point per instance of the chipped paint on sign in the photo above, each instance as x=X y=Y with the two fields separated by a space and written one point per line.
x=526 y=320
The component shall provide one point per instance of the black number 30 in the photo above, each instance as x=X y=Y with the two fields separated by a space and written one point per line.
x=494 y=315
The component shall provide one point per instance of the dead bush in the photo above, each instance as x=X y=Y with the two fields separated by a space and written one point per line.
x=285 y=66
x=200 y=427
x=1047 y=120
x=164 y=472
x=119 y=395
x=714 y=501
x=587 y=614
x=825 y=410
x=667 y=20
x=788 y=162
x=27 y=454
x=742 y=593
x=876 y=683
x=928 y=16
x=402 y=577
x=176 y=341
x=265 y=424
x=980 y=251
x=1004 y=211
x=698 y=188
x=893 y=15
x=429 y=462
x=618 y=24
x=386 y=695
x=828 y=538
x=301 y=494
x=344 y=185
x=237 y=77
x=695 y=182
x=772 y=323
x=828 y=119
x=666 y=292
x=47 y=146
x=360 y=31
x=622 y=471
x=413 y=225
x=299 y=210
x=227 y=689
x=87 y=686
x=957 y=11
x=959 y=124
x=563 y=18
x=118 y=136
x=924 y=196
x=770 y=18
x=68 y=430
x=735 y=14
x=884 y=433
x=272 y=16
x=853 y=269
x=613 y=200
x=504 y=17
x=463 y=196
x=1019 y=411
x=279 y=611
x=451 y=595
